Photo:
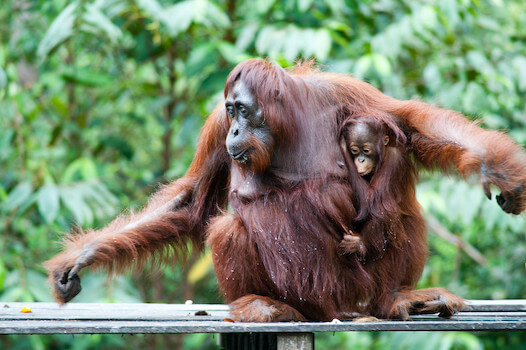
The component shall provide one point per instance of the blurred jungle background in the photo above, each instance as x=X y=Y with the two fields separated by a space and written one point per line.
x=102 y=100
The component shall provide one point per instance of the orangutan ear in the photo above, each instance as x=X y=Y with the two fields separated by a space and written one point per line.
x=386 y=140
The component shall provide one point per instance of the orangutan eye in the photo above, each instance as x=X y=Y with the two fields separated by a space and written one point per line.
x=242 y=110
x=230 y=111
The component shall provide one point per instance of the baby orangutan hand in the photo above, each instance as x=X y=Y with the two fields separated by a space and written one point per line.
x=352 y=244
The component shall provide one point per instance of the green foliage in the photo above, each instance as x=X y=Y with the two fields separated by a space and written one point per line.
x=101 y=100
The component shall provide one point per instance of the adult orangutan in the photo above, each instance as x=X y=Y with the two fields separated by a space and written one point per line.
x=272 y=152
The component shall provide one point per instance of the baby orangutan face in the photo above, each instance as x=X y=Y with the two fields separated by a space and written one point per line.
x=364 y=146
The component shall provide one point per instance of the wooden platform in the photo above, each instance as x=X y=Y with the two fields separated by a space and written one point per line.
x=79 y=318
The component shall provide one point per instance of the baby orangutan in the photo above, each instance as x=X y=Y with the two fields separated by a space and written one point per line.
x=366 y=143
x=370 y=152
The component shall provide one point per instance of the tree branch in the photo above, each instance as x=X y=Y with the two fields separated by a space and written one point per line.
x=437 y=228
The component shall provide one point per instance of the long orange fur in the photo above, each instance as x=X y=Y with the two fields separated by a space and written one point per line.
x=291 y=207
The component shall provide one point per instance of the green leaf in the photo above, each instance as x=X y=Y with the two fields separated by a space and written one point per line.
x=406 y=31
x=21 y=103
x=48 y=202
x=73 y=200
x=3 y=193
x=337 y=6
x=6 y=137
x=3 y=79
x=13 y=293
x=381 y=64
x=87 y=77
x=177 y=18
x=37 y=343
x=362 y=66
x=450 y=10
x=519 y=65
x=231 y=53
x=35 y=281
x=59 y=30
x=2 y=274
x=200 y=57
x=82 y=169
x=309 y=42
x=104 y=202
x=338 y=26
x=216 y=16
x=432 y=77
x=60 y=106
x=474 y=98
x=262 y=6
x=293 y=43
x=98 y=20
x=323 y=41
x=304 y=5
x=265 y=39
x=18 y=196
x=246 y=36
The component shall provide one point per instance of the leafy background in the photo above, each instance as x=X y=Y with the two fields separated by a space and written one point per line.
x=102 y=100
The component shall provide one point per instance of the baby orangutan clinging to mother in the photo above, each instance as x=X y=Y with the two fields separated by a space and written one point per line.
x=377 y=153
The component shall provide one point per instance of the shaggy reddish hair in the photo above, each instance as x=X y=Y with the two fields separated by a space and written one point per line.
x=275 y=252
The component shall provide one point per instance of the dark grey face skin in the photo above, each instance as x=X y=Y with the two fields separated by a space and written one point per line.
x=246 y=120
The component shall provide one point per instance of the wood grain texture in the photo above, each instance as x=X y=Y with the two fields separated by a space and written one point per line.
x=82 y=318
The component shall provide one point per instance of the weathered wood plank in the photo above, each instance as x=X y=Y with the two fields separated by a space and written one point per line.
x=144 y=311
x=78 y=318
x=496 y=305
x=143 y=327
x=106 y=311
